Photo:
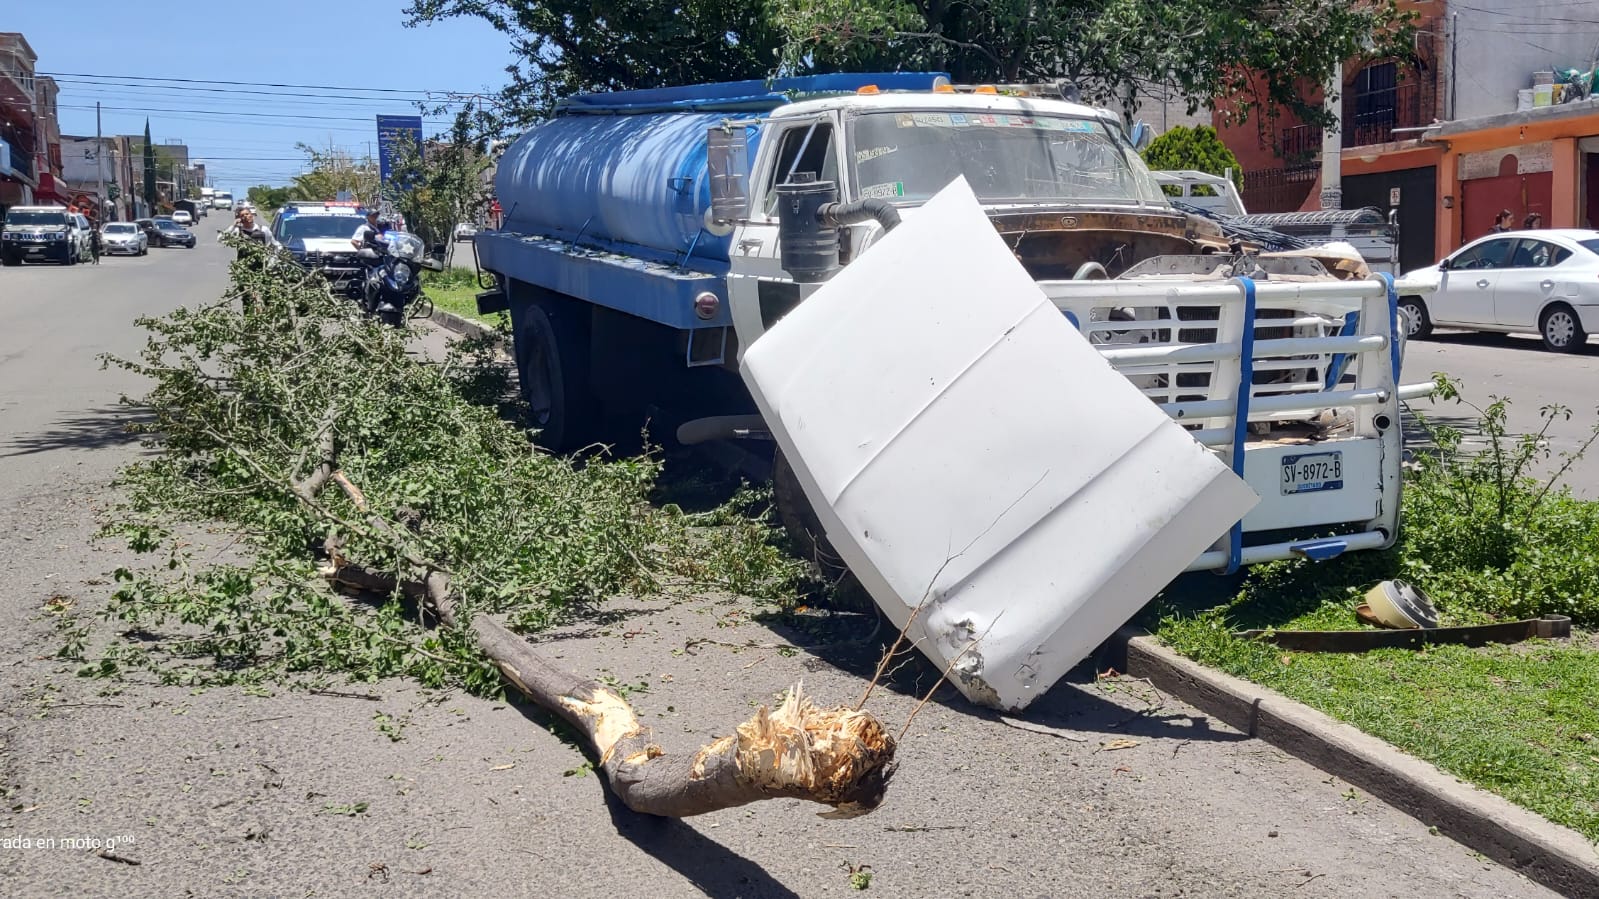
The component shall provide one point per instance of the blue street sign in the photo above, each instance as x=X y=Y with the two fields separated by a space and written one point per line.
x=392 y=131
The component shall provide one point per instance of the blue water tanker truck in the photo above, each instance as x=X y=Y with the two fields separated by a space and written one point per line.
x=649 y=236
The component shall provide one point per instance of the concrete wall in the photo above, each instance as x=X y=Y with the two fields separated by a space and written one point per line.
x=78 y=162
x=1500 y=43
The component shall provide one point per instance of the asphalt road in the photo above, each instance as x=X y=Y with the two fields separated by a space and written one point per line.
x=1516 y=367
x=222 y=793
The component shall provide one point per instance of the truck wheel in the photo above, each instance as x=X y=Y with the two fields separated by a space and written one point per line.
x=805 y=531
x=10 y=260
x=552 y=354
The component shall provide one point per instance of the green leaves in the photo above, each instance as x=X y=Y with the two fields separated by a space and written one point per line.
x=241 y=398
x=1195 y=149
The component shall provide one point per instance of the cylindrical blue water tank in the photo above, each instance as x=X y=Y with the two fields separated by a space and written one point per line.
x=636 y=183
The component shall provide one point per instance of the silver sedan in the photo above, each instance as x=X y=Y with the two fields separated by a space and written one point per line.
x=1543 y=282
x=123 y=238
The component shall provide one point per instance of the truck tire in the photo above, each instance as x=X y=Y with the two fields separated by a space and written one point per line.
x=551 y=344
x=10 y=260
x=805 y=532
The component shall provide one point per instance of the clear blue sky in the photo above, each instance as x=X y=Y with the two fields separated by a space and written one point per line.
x=249 y=139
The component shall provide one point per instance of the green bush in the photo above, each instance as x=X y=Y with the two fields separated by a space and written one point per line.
x=1480 y=533
x=1198 y=149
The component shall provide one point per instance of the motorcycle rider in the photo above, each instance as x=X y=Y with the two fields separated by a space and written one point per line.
x=371 y=229
x=369 y=236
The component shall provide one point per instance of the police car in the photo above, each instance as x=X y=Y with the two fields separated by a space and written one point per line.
x=317 y=235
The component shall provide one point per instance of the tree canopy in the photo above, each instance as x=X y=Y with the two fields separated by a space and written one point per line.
x=1244 y=55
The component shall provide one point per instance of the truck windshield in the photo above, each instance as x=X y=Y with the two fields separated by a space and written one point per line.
x=35 y=218
x=1020 y=158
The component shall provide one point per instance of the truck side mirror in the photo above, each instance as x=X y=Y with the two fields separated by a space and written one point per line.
x=727 y=161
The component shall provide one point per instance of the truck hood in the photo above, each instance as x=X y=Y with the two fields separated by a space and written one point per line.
x=1006 y=497
x=1054 y=241
x=35 y=229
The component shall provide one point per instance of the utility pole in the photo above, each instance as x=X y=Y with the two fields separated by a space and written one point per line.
x=1332 y=142
x=99 y=165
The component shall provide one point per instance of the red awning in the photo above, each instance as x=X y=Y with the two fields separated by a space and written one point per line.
x=48 y=192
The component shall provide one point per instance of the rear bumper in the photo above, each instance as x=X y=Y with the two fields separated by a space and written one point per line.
x=1361 y=504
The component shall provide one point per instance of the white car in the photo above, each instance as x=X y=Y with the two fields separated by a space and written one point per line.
x=123 y=238
x=182 y=217
x=1543 y=282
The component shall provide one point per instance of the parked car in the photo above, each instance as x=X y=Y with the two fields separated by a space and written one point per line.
x=82 y=228
x=183 y=217
x=152 y=235
x=40 y=233
x=465 y=231
x=1543 y=282
x=173 y=234
x=124 y=238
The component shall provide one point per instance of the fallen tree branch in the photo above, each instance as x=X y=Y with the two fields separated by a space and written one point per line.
x=839 y=757
x=308 y=487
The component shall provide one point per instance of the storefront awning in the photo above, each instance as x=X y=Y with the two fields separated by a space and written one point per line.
x=49 y=191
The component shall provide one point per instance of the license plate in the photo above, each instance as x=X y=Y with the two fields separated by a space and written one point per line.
x=1312 y=472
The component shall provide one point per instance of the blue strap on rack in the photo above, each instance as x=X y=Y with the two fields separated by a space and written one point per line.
x=1393 y=323
x=1340 y=361
x=1246 y=378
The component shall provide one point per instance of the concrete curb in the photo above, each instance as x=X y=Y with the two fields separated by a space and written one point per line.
x=1557 y=857
x=459 y=324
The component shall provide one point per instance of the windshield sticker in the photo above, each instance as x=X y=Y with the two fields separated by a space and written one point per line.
x=872 y=153
x=965 y=119
x=883 y=191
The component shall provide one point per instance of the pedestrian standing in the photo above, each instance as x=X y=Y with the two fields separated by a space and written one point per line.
x=94 y=242
x=1533 y=220
x=1501 y=222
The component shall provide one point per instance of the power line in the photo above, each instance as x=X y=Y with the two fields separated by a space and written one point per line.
x=230 y=113
x=427 y=96
x=1527 y=20
x=314 y=87
x=115 y=95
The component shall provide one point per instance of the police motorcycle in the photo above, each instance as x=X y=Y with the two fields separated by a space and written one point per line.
x=392 y=282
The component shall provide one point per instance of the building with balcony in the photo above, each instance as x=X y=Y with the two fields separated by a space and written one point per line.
x=1453 y=134
x=18 y=129
x=1384 y=106
x=47 y=158
x=1514 y=137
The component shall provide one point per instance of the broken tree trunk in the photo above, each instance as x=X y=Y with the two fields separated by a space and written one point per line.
x=840 y=757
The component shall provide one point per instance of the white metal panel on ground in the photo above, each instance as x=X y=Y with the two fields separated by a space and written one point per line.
x=968 y=451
